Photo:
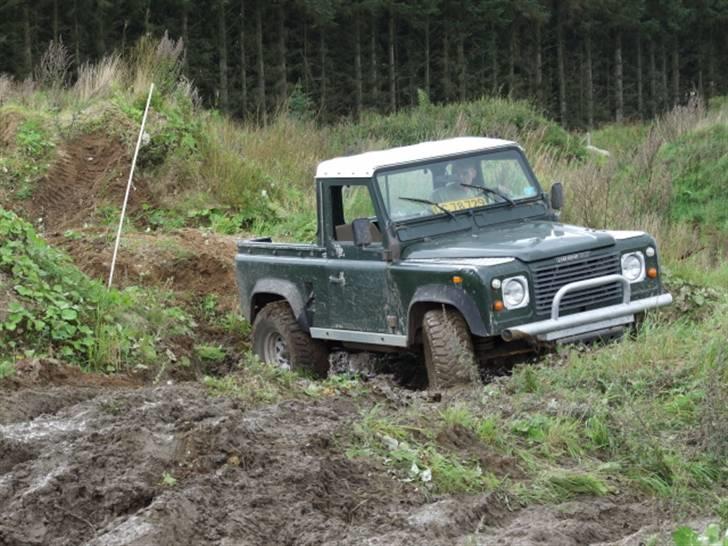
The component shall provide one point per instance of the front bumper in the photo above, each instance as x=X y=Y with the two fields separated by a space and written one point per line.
x=582 y=324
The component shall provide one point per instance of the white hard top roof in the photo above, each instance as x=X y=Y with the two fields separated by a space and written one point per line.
x=364 y=165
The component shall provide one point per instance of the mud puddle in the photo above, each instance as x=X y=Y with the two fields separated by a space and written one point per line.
x=127 y=465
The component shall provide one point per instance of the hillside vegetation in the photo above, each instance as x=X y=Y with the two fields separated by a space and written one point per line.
x=644 y=417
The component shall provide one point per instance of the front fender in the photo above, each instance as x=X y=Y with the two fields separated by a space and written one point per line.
x=455 y=297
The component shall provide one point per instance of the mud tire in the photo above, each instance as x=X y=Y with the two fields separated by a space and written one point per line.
x=304 y=353
x=448 y=349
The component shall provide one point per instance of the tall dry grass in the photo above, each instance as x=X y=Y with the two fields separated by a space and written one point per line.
x=158 y=61
x=53 y=69
x=98 y=80
x=631 y=189
x=6 y=88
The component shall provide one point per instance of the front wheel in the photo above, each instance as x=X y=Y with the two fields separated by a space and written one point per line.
x=448 y=348
x=280 y=341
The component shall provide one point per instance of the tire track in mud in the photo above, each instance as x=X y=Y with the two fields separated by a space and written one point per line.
x=89 y=471
x=90 y=474
x=87 y=171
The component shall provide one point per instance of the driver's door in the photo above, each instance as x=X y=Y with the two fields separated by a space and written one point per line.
x=358 y=288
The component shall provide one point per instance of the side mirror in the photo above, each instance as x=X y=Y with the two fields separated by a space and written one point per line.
x=362 y=233
x=557 y=196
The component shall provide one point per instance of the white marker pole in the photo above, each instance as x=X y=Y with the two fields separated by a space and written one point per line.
x=128 y=185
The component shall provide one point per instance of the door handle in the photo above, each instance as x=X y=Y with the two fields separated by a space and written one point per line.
x=338 y=279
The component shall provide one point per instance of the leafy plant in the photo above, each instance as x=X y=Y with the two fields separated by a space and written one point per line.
x=168 y=480
x=711 y=536
x=210 y=353
x=32 y=139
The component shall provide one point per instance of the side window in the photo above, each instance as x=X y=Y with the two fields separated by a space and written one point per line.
x=355 y=201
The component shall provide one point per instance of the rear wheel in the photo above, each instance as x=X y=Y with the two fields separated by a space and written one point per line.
x=280 y=341
x=448 y=349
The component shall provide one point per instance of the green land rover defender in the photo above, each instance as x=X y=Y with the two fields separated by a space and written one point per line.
x=448 y=248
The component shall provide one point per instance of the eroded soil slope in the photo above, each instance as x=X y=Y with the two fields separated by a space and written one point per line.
x=88 y=171
x=187 y=260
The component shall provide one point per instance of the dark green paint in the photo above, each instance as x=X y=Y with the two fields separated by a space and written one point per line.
x=381 y=280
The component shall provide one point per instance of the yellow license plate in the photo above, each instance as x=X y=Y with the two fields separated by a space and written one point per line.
x=462 y=204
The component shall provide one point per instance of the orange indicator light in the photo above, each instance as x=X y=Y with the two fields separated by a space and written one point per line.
x=498 y=305
x=652 y=273
x=457 y=279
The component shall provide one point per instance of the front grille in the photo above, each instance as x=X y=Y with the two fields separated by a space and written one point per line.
x=549 y=278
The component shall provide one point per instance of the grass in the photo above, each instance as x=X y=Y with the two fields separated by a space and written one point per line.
x=55 y=309
x=254 y=383
x=699 y=166
x=646 y=415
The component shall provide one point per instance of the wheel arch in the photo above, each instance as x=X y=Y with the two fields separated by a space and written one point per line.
x=434 y=296
x=268 y=291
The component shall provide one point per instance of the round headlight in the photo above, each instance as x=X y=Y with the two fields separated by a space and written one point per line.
x=515 y=292
x=495 y=284
x=650 y=251
x=633 y=267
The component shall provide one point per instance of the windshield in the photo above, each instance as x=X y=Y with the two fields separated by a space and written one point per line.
x=456 y=184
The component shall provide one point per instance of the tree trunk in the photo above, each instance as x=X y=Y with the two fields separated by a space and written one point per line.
x=243 y=64
x=640 y=97
x=56 y=25
x=392 y=67
x=358 y=91
x=322 y=52
x=100 y=38
x=710 y=52
x=427 y=55
x=124 y=30
x=307 y=74
x=147 y=17
x=282 y=69
x=539 y=65
x=262 y=106
x=560 y=64
x=76 y=34
x=373 y=66
x=512 y=60
x=412 y=85
x=446 y=85
x=493 y=61
x=186 y=32
x=589 y=75
x=27 y=41
x=462 y=82
x=653 y=79
x=663 y=75
x=675 y=74
x=701 y=88
x=618 y=81
x=582 y=85
x=222 y=54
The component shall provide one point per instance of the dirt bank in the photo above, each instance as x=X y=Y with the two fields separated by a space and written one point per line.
x=87 y=173
x=186 y=260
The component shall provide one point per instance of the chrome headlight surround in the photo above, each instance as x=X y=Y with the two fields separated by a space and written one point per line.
x=515 y=292
x=633 y=266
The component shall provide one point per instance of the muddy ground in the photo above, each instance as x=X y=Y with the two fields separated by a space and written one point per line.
x=83 y=460
x=94 y=460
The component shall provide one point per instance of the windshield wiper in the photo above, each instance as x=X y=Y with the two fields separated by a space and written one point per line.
x=485 y=189
x=431 y=203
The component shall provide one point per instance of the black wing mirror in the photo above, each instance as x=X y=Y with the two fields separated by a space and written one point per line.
x=362 y=232
x=557 y=196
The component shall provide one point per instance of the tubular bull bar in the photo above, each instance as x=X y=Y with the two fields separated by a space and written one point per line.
x=587 y=322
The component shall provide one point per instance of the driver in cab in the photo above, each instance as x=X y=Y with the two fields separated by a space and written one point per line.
x=456 y=188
